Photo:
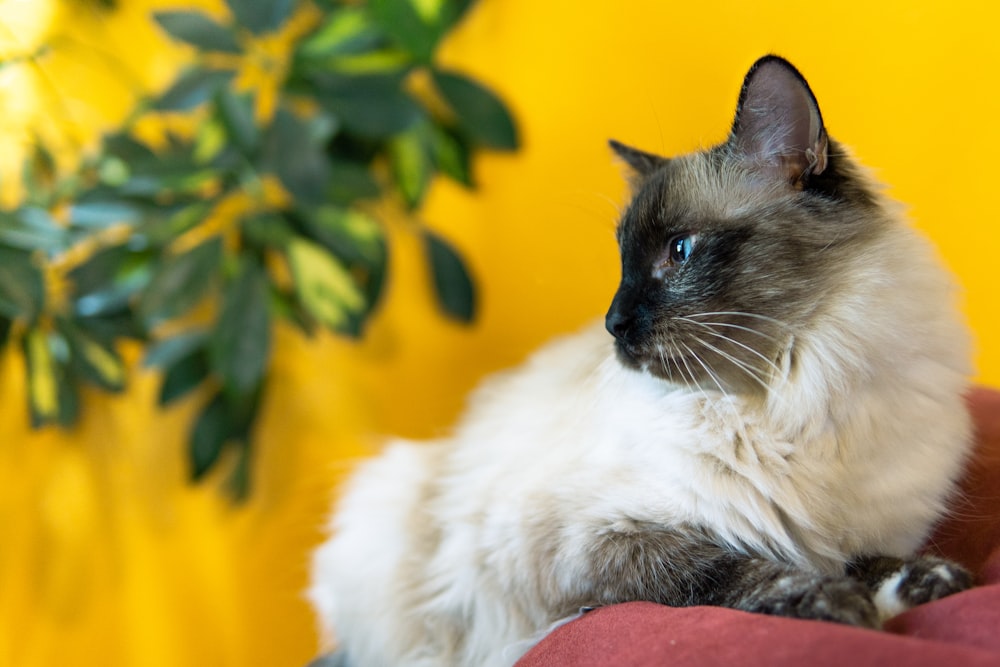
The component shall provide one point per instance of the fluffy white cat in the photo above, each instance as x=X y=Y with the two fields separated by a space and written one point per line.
x=774 y=423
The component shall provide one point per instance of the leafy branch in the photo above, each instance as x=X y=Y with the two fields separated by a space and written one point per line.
x=197 y=244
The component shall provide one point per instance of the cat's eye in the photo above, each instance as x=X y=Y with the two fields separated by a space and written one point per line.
x=681 y=247
x=677 y=252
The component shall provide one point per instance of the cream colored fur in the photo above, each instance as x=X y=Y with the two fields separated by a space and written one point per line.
x=464 y=550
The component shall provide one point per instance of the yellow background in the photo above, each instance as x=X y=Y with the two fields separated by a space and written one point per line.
x=108 y=557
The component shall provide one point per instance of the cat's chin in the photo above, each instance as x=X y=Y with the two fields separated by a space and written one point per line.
x=627 y=357
x=664 y=368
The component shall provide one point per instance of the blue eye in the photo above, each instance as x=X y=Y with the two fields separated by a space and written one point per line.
x=681 y=247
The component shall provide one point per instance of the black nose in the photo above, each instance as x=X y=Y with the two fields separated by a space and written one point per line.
x=617 y=322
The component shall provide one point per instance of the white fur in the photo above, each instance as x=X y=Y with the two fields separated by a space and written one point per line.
x=435 y=557
x=887 y=599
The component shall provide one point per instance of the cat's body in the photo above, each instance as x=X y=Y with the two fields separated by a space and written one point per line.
x=748 y=433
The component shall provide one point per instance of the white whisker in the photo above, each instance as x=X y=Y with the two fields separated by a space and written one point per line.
x=733 y=409
x=736 y=313
x=712 y=376
x=730 y=326
x=694 y=380
x=751 y=372
x=714 y=404
x=749 y=349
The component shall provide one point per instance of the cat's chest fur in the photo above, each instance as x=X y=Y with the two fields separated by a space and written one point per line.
x=795 y=477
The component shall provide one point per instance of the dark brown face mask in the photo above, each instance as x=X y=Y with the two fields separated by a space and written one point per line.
x=727 y=253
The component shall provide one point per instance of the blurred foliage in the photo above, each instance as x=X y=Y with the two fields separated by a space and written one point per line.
x=194 y=245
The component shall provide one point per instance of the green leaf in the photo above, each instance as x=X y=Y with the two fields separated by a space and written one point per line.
x=143 y=185
x=225 y=420
x=127 y=148
x=43 y=378
x=381 y=61
x=194 y=87
x=112 y=325
x=458 y=9
x=183 y=376
x=210 y=141
x=349 y=182
x=371 y=105
x=243 y=408
x=348 y=30
x=358 y=240
x=238 y=481
x=401 y=21
x=39 y=173
x=350 y=234
x=197 y=29
x=103 y=213
x=480 y=113
x=452 y=155
x=261 y=16
x=267 y=230
x=410 y=159
x=166 y=352
x=99 y=269
x=454 y=287
x=43 y=163
x=5 y=326
x=108 y=279
x=95 y=360
x=208 y=437
x=295 y=152
x=286 y=306
x=418 y=25
x=180 y=282
x=155 y=177
x=174 y=223
x=113 y=171
x=324 y=286
x=371 y=276
x=240 y=347
x=69 y=400
x=236 y=113
x=22 y=287
x=31 y=228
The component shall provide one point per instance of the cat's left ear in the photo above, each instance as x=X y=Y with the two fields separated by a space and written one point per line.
x=642 y=164
x=778 y=126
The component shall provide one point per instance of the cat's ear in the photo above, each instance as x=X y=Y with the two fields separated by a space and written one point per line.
x=778 y=126
x=641 y=163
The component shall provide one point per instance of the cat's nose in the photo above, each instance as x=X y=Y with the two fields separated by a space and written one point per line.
x=616 y=322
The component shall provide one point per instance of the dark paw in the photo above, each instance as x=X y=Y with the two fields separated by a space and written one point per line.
x=898 y=585
x=839 y=600
x=926 y=579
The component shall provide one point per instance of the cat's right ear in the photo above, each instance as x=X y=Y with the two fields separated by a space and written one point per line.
x=641 y=164
x=778 y=128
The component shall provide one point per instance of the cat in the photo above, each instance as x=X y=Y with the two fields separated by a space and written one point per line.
x=770 y=418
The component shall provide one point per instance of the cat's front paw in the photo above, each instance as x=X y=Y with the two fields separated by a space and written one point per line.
x=898 y=584
x=925 y=579
x=839 y=600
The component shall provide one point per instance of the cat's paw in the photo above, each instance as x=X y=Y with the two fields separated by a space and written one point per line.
x=918 y=581
x=839 y=600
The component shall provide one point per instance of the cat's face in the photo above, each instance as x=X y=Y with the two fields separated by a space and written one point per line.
x=727 y=253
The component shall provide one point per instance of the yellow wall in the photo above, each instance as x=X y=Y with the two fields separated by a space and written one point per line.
x=108 y=558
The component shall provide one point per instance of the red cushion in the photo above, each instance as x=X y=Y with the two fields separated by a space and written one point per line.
x=963 y=629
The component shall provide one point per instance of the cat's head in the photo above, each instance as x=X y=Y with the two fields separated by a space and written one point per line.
x=729 y=253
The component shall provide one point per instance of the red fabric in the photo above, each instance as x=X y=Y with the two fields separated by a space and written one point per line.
x=963 y=629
